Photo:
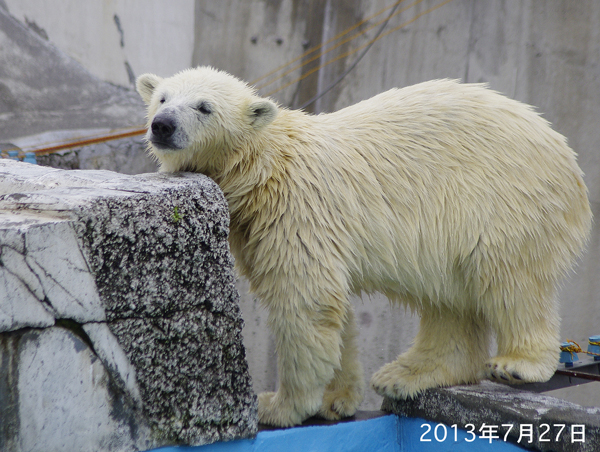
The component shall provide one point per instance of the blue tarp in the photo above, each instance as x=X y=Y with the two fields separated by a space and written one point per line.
x=384 y=434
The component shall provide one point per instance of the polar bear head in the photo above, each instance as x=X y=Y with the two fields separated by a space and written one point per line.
x=199 y=117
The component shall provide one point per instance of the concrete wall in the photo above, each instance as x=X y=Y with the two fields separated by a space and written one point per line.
x=115 y=39
x=543 y=52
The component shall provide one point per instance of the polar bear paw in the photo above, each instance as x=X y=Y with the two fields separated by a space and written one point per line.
x=397 y=381
x=514 y=370
x=341 y=403
x=405 y=378
x=276 y=411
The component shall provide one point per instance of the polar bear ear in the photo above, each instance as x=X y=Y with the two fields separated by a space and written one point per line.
x=262 y=113
x=146 y=84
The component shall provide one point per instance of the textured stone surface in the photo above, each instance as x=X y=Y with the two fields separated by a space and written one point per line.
x=494 y=404
x=56 y=395
x=136 y=271
x=167 y=295
x=50 y=266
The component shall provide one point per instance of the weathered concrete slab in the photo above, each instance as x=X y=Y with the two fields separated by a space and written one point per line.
x=56 y=395
x=137 y=271
x=42 y=89
x=524 y=418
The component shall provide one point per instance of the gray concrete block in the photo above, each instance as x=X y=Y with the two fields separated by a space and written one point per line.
x=169 y=280
x=19 y=308
x=136 y=271
x=109 y=350
x=556 y=425
x=46 y=275
x=56 y=396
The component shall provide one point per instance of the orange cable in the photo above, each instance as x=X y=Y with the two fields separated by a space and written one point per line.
x=89 y=141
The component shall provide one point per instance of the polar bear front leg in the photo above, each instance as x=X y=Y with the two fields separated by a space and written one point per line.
x=345 y=391
x=308 y=339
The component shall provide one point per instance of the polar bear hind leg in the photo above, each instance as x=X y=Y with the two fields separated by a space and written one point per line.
x=449 y=349
x=528 y=342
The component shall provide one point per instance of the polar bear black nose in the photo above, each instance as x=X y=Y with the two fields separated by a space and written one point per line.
x=163 y=127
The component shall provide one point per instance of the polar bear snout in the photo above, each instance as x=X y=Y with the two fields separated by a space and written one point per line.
x=163 y=128
x=165 y=134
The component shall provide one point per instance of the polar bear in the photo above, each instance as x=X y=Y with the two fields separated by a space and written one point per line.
x=450 y=198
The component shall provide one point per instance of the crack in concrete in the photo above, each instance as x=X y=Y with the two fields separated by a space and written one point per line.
x=88 y=268
x=54 y=280
x=19 y=277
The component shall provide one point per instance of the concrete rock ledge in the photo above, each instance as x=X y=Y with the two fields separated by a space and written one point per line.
x=126 y=155
x=554 y=423
x=120 y=327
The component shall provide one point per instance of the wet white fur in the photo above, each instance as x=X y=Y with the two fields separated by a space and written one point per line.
x=450 y=198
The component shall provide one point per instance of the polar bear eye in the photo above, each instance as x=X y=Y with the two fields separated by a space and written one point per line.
x=204 y=108
x=162 y=100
